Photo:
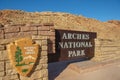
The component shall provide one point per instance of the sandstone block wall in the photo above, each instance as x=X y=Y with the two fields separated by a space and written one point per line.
x=42 y=34
x=40 y=70
x=106 y=50
x=10 y=32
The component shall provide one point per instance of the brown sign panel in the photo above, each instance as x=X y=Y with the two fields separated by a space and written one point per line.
x=23 y=55
x=73 y=45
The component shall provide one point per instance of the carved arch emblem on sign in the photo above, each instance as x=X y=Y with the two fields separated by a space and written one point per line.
x=23 y=55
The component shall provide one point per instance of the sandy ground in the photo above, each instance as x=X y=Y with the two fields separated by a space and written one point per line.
x=108 y=71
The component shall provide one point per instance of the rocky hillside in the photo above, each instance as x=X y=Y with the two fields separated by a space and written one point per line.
x=105 y=30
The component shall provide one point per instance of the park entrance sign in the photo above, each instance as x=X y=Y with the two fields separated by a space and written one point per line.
x=74 y=44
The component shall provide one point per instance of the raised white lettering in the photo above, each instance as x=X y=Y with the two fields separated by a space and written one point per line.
x=64 y=36
x=76 y=53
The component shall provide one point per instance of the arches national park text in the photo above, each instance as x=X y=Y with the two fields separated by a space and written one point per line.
x=74 y=44
x=78 y=44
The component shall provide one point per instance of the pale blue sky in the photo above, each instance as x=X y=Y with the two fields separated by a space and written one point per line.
x=102 y=10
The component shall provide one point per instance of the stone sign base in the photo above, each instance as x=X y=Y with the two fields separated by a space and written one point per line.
x=40 y=70
x=41 y=34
